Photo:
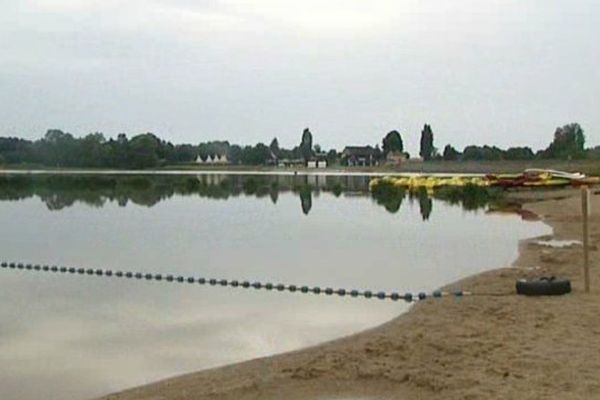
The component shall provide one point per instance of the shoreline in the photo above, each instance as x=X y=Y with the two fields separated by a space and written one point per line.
x=495 y=346
x=273 y=172
x=472 y=167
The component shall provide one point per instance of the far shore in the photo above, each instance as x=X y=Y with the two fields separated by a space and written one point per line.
x=492 y=345
x=440 y=168
x=218 y=171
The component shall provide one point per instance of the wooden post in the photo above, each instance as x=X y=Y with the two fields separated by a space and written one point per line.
x=585 y=212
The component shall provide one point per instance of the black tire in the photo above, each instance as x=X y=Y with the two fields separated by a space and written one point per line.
x=543 y=287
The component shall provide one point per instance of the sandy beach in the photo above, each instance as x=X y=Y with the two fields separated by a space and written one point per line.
x=492 y=345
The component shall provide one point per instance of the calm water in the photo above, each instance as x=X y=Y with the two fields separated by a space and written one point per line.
x=74 y=337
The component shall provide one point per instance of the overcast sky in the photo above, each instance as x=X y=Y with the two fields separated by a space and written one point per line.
x=496 y=72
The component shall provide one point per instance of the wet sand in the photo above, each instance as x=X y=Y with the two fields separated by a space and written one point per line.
x=493 y=345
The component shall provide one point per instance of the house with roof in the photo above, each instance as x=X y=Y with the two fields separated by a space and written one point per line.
x=355 y=156
x=395 y=157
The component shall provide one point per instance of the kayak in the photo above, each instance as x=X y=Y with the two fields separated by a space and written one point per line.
x=529 y=178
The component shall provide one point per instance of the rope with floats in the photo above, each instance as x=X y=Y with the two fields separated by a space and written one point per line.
x=170 y=278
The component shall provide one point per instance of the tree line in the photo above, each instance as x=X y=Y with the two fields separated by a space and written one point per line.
x=568 y=143
x=60 y=149
x=59 y=192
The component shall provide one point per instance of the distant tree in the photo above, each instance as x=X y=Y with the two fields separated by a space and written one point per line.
x=306 y=144
x=450 y=153
x=472 y=153
x=486 y=153
x=58 y=148
x=92 y=151
x=519 y=153
x=185 y=153
x=274 y=147
x=118 y=153
x=15 y=151
x=203 y=151
x=426 y=148
x=392 y=142
x=332 y=156
x=593 y=153
x=143 y=151
x=235 y=154
x=257 y=155
x=317 y=148
x=569 y=142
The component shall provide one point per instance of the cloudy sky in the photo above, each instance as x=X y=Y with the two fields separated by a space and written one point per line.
x=497 y=72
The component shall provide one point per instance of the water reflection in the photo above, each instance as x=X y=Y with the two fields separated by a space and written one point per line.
x=71 y=337
x=59 y=191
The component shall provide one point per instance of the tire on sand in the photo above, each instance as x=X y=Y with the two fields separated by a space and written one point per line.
x=543 y=287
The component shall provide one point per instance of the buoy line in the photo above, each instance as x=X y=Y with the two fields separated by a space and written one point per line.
x=244 y=284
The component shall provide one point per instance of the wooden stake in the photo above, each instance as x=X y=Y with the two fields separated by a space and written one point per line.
x=585 y=212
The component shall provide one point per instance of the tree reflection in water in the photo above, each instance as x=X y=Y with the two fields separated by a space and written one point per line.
x=62 y=191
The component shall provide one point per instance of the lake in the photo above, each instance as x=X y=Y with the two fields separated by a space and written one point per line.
x=69 y=336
